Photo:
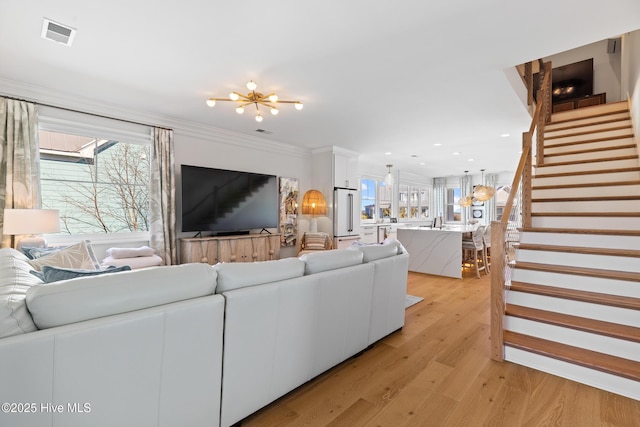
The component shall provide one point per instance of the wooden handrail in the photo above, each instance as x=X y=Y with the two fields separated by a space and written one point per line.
x=499 y=228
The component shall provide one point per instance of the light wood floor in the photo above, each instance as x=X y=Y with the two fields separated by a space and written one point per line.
x=436 y=371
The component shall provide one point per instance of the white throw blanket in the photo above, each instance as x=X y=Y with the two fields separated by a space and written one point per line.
x=117 y=253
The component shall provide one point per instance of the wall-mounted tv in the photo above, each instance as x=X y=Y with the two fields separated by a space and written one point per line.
x=570 y=81
x=226 y=201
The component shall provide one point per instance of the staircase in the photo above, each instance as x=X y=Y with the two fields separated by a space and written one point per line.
x=573 y=304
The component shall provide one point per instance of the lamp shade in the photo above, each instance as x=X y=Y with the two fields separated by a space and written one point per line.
x=30 y=221
x=313 y=203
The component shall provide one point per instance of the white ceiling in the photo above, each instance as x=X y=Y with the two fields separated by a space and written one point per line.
x=375 y=76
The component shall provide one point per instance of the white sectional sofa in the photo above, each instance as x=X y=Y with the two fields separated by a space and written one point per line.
x=187 y=345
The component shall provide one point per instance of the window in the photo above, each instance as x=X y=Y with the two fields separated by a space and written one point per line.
x=414 y=201
x=453 y=209
x=375 y=200
x=98 y=185
x=96 y=172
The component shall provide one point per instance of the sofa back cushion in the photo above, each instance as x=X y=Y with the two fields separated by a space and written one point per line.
x=376 y=251
x=75 y=300
x=316 y=262
x=15 y=280
x=242 y=274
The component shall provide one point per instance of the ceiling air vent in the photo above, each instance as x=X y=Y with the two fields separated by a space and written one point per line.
x=57 y=32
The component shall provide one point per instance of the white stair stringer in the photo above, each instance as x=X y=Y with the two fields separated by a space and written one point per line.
x=602 y=380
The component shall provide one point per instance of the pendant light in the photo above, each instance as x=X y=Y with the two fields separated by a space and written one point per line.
x=388 y=180
x=483 y=192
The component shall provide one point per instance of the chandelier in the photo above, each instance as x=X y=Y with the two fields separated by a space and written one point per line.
x=256 y=98
x=483 y=192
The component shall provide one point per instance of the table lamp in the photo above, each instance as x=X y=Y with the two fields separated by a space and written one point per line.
x=313 y=203
x=30 y=222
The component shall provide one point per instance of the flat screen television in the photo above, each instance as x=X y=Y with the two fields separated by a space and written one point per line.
x=226 y=201
x=570 y=81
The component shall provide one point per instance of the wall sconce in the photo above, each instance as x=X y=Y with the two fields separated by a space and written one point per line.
x=313 y=203
x=30 y=222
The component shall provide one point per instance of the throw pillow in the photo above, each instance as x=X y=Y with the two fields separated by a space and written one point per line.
x=315 y=241
x=79 y=255
x=51 y=274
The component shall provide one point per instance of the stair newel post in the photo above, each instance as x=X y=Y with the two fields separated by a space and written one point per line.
x=526 y=179
x=499 y=257
x=547 y=95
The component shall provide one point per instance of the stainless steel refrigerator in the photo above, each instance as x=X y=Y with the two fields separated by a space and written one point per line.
x=346 y=217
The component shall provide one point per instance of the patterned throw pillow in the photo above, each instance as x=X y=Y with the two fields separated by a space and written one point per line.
x=51 y=274
x=315 y=241
x=79 y=255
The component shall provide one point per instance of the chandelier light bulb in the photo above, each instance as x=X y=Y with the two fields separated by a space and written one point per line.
x=274 y=111
x=259 y=118
x=273 y=98
x=298 y=105
x=234 y=96
x=252 y=85
x=211 y=102
x=240 y=110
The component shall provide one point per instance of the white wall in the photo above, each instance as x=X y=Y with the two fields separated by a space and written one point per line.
x=631 y=73
x=606 y=67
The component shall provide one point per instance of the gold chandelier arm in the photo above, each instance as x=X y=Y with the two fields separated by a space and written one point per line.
x=287 y=102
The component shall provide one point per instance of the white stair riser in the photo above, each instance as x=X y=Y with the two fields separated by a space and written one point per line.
x=571 y=259
x=590 y=341
x=591 y=112
x=540 y=180
x=623 y=316
x=611 y=383
x=608 y=154
x=618 y=117
x=581 y=240
x=618 y=190
x=615 y=134
x=587 y=206
x=553 y=149
x=614 y=121
x=578 y=283
x=580 y=167
x=594 y=223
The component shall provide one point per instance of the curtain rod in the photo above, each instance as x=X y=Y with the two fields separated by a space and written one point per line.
x=84 y=112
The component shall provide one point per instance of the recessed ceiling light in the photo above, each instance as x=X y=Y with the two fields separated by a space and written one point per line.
x=387 y=153
x=457 y=153
x=437 y=144
x=422 y=163
x=470 y=160
x=504 y=135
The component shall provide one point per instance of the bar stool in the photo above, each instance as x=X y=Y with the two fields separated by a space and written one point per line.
x=474 y=252
x=487 y=247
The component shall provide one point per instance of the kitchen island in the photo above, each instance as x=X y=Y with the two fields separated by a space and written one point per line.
x=435 y=250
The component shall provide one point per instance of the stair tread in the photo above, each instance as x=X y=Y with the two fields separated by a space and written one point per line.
x=588 y=214
x=587 y=141
x=581 y=250
x=588 y=172
x=590 y=359
x=624 y=108
x=587 y=199
x=580 y=271
x=586 y=185
x=580 y=231
x=585 y=132
x=577 y=295
x=577 y=162
x=590 y=150
x=614 y=330
x=550 y=128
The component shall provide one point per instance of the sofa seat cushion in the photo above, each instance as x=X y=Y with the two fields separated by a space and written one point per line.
x=79 y=299
x=15 y=280
x=330 y=260
x=242 y=274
